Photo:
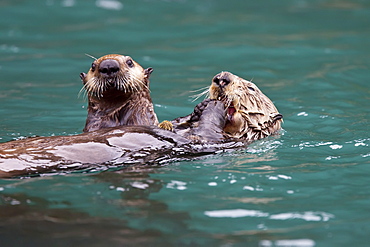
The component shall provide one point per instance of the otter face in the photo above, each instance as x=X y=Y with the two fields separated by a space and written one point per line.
x=250 y=113
x=115 y=72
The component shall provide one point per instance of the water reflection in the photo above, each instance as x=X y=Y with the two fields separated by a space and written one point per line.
x=65 y=222
x=129 y=216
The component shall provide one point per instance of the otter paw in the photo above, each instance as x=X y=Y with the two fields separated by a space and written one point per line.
x=198 y=110
x=167 y=125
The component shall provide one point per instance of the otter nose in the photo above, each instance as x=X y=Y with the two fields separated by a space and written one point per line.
x=109 y=67
x=221 y=81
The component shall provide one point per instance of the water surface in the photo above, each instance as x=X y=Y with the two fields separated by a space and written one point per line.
x=306 y=187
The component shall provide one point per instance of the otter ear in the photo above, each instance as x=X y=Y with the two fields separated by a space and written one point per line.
x=83 y=76
x=148 y=72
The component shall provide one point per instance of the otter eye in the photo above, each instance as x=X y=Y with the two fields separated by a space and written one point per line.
x=130 y=63
x=251 y=88
x=93 y=67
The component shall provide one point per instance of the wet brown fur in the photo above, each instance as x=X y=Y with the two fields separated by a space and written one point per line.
x=251 y=115
x=237 y=109
x=120 y=98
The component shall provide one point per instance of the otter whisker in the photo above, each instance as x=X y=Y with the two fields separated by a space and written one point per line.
x=120 y=84
x=200 y=89
x=103 y=87
x=197 y=96
x=124 y=84
x=95 y=86
x=141 y=84
x=133 y=87
x=138 y=80
x=130 y=85
x=82 y=92
x=122 y=80
x=126 y=87
x=228 y=102
x=136 y=86
x=91 y=56
x=85 y=92
x=89 y=84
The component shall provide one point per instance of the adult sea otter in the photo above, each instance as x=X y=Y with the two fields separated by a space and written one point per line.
x=236 y=113
x=250 y=114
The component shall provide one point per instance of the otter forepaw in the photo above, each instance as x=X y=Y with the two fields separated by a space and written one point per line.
x=167 y=125
x=198 y=110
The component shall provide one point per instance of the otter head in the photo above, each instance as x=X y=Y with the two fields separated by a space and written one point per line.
x=115 y=74
x=118 y=93
x=250 y=113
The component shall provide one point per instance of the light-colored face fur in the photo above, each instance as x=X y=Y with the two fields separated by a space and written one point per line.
x=114 y=71
x=118 y=93
x=250 y=113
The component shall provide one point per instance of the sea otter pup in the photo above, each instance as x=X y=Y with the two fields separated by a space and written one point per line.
x=251 y=115
x=118 y=93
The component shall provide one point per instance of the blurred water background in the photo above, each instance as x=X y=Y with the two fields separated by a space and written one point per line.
x=307 y=187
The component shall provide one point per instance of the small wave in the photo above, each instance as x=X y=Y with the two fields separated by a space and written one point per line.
x=109 y=4
x=287 y=242
x=238 y=213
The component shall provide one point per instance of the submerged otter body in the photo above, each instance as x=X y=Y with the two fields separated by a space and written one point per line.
x=118 y=93
x=101 y=148
x=117 y=146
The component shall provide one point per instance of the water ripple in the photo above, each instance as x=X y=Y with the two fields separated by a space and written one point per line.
x=238 y=213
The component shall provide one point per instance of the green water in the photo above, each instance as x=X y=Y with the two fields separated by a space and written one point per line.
x=307 y=187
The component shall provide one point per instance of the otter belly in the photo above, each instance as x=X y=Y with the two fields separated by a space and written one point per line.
x=103 y=149
x=124 y=145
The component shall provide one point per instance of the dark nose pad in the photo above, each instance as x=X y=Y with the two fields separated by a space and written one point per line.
x=221 y=81
x=109 y=67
